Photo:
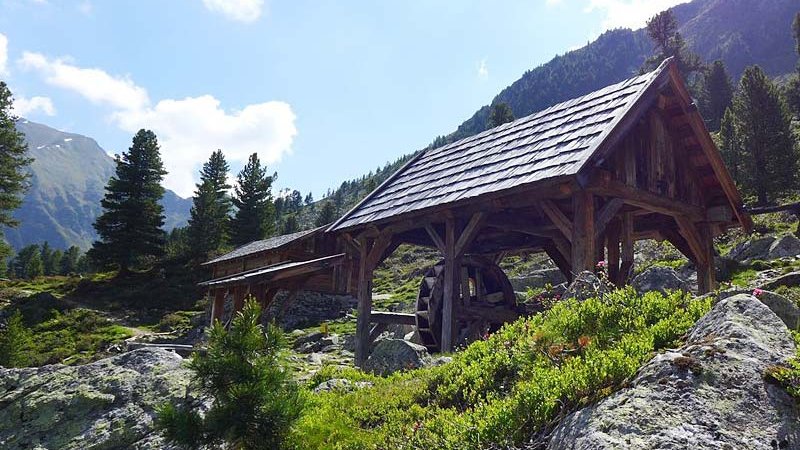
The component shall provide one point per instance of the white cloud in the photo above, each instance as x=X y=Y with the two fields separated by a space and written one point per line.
x=94 y=84
x=24 y=107
x=629 y=13
x=3 y=54
x=483 y=70
x=188 y=129
x=239 y=10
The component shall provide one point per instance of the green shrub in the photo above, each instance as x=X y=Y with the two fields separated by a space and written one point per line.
x=255 y=402
x=500 y=391
x=15 y=342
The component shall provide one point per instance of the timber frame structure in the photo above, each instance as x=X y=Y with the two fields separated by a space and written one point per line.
x=582 y=181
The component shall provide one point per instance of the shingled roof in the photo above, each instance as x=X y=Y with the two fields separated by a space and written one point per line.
x=551 y=143
x=262 y=245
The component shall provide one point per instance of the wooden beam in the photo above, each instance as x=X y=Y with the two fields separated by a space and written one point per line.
x=376 y=331
x=434 y=235
x=613 y=232
x=392 y=318
x=676 y=239
x=646 y=200
x=560 y=259
x=606 y=213
x=469 y=233
x=706 y=279
x=627 y=241
x=451 y=264
x=583 y=236
x=378 y=250
x=557 y=217
x=693 y=238
x=218 y=308
x=364 y=305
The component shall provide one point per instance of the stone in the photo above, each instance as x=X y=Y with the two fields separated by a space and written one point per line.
x=789 y=279
x=708 y=394
x=784 y=308
x=109 y=403
x=309 y=309
x=766 y=248
x=392 y=355
x=786 y=246
x=537 y=279
x=341 y=385
x=586 y=285
x=661 y=279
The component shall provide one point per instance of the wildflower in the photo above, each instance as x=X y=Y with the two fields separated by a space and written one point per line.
x=584 y=341
x=757 y=292
x=417 y=426
x=601 y=264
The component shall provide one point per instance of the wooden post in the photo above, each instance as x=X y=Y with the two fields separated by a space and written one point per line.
x=612 y=243
x=706 y=278
x=364 y=305
x=627 y=248
x=239 y=293
x=451 y=264
x=583 y=236
x=218 y=307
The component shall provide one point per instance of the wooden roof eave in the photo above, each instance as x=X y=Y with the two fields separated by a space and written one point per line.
x=710 y=150
x=276 y=272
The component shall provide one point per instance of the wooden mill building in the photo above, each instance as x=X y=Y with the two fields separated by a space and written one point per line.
x=582 y=181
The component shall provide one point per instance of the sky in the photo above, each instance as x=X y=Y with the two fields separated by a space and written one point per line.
x=324 y=91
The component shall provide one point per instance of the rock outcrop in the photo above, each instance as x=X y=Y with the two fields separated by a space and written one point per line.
x=392 y=355
x=538 y=279
x=105 y=404
x=586 y=285
x=766 y=248
x=709 y=394
x=661 y=279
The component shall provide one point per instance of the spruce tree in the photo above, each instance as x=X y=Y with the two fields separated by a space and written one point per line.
x=793 y=87
x=255 y=213
x=33 y=266
x=69 y=263
x=763 y=129
x=13 y=164
x=716 y=95
x=501 y=113
x=130 y=226
x=663 y=31
x=16 y=341
x=47 y=259
x=290 y=224
x=210 y=214
x=729 y=146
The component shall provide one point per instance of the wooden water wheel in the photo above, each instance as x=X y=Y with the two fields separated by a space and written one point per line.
x=484 y=301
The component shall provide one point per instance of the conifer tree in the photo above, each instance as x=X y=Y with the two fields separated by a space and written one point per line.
x=130 y=226
x=716 y=95
x=327 y=214
x=290 y=224
x=793 y=87
x=33 y=266
x=729 y=146
x=255 y=213
x=13 y=164
x=210 y=214
x=47 y=259
x=15 y=341
x=763 y=130
x=309 y=199
x=663 y=31
x=69 y=263
x=501 y=113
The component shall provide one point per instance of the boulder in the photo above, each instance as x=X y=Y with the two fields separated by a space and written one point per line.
x=392 y=355
x=341 y=385
x=708 y=394
x=586 y=285
x=781 y=306
x=661 y=279
x=109 y=403
x=766 y=248
x=786 y=246
x=538 y=279
x=789 y=279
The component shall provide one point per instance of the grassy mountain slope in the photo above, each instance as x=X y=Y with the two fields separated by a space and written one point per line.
x=68 y=177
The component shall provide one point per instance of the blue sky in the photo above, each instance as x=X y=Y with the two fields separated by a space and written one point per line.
x=323 y=90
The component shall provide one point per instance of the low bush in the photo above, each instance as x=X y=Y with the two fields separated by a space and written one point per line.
x=506 y=389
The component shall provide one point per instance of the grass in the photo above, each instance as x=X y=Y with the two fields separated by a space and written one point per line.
x=502 y=390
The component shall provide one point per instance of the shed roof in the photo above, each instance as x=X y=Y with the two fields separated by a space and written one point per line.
x=262 y=245
x=276 y=271
x=551 y=143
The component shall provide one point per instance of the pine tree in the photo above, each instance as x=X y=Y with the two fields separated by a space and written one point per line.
x=501 y=113
x=255 y=214
x=663 y=31
x=763 y=129
x=47 y=259
x=28 y=262
x=33 y=266
x=716 y=95
x=13 y=163
x=290 y=224
x=793 y=87
x=15 y=342
x=209 y=225
x=130 y=226
x=54 y=264
x=327 y=214
x=255 y=400
x=69 y=263
x=309 y=199
x=730 y=146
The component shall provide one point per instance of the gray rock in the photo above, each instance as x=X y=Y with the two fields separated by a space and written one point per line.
x=784 y=246
x=789 y=279
x=105 y=404
x=766 y=248
x=341 y=385
x=784 y=308
x=661 y=279
x=309 y=309
x=586 y=285
x=538 y=279
x=709 y=394
x=392 y=355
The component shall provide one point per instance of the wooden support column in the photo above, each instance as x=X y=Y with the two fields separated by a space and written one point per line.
x=626 y=236
x=364 y=305
x=239 y=293
x=451 y=264
x=706 y=278
x=583 y=236
x=218 y=307
x=560 y=257
x=612 y=244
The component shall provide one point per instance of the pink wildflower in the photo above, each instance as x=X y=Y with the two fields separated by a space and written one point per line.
x=757 y=292
x=601 y=264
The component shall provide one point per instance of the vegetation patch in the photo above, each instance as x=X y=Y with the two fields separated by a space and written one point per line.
x=507 y=388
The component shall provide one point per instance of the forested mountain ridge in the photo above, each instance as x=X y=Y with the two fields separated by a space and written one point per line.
x=68 y=177
x=739 y=32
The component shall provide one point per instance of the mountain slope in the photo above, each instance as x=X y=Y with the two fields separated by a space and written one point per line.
x=68 y=177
